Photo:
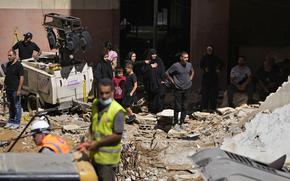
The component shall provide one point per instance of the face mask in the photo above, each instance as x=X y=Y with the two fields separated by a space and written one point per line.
x=106 y=102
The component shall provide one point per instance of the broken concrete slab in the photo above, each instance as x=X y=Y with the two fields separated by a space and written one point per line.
x=278 y=99
x=187 y=177
x=172 y=133
x=166 y=113
x=225 y=110
x=265 y=136
x=71 y=128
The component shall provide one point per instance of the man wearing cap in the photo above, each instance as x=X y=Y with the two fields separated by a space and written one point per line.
x=26 y=47
x=48 y=143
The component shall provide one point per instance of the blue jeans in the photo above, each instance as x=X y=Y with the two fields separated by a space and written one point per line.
x=14 y=107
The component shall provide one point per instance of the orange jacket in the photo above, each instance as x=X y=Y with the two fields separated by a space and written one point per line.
x=57 y=144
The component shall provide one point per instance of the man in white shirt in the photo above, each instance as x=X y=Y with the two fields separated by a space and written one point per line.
x=240 y=80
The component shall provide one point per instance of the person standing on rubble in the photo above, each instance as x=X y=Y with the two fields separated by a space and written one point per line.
x=106 y=132
x=211 y=65
x=48 y=143
x=153 y=71
x=103 y=69
x=180 y=75
x=13 y=84
x=26 y=47
x=130 y=91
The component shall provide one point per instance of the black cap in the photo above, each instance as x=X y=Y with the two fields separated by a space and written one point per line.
x=27 y=35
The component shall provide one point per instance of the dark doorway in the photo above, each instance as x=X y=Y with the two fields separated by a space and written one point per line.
x=259 y=29
x=172 y=30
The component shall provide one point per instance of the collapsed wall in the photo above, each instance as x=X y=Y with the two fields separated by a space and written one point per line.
x=266 y=137
x=279 y=98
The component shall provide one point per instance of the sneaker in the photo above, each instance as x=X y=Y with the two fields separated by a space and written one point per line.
x=177 y=127
x=8 y=125
x=182 y=126
x=14 y=126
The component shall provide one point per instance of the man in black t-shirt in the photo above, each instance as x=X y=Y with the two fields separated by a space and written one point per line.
x=180 y=75
x=130 y=89
x=13 y=83
x=26 y=47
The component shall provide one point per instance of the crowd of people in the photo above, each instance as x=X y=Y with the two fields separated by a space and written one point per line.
x=115 y=85
x=155 y=78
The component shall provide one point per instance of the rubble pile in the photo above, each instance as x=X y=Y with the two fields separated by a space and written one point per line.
x=265 y=136
x=154 y=151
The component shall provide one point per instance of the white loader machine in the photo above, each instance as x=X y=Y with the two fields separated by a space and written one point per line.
x=54 y=80
x=57 y=78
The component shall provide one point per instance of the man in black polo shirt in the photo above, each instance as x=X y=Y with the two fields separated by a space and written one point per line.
x=26 y=47
x=13 y=83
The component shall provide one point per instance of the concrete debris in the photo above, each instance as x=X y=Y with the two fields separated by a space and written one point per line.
x=187 y=177
x=278 y=99
x=176 y=133
x=265 y=136
x=152 y=149
x=156 y=151
x=71 y=128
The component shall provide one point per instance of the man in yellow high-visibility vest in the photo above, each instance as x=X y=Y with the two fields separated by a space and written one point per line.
x=106 y=132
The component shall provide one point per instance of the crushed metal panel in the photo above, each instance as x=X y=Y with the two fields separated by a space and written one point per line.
x=217 y=164
x=36 y=166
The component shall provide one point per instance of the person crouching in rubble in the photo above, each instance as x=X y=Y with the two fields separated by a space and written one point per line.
x=106 y=132
x=48 y=143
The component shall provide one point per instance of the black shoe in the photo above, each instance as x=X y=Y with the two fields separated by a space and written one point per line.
x=131 y=119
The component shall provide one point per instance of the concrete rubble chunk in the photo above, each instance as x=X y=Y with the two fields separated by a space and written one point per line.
x=71 y=128
x=147 y=117
x=187 y=177
x=225 y=110
x=166 y=113
x=177 y=133
x=278 y=99
x=265 y=138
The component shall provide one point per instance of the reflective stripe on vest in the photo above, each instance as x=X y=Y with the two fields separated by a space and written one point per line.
x=102 y=127
x=109 y=150
x=55 y=145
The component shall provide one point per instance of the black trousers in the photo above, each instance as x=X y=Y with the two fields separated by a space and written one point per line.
x=180 y=104
x=209 y=91
x=156 y=100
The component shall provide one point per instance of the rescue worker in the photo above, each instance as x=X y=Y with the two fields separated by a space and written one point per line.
x=48 y=143
x=106 y=132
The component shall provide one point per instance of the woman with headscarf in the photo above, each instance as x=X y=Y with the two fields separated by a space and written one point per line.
x=113 y=55
x=153 y=71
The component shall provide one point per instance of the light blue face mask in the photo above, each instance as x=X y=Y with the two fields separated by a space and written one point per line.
x=106 y=102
